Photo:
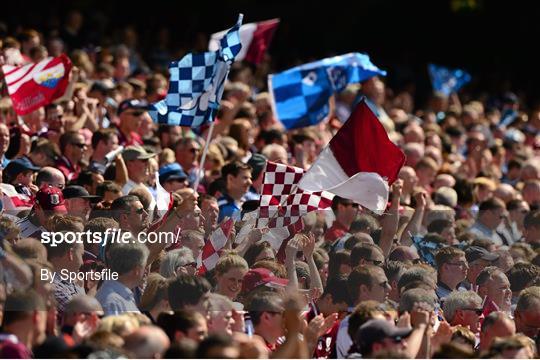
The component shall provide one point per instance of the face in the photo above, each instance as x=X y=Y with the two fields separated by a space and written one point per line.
x=349 y=211
x=78 y=207
x=500 y=329
x=266 y=254
x=495 y=217
x=131 y=119
x=198 y=332
x=138 y=168
x=188 y=155
x=408 y=175
x=137 y=218
x=230 y=282
x=195 y=245
x=78 y=147
x=449 y=234
x=273 y=323
x=111 y=144
x=240 y=182
x=221 y=321
x=457 y=268
x=498 y=290
x=389 y=344
x=55 y=118
x=471 y=316
x=475 y=268
x=518 y=214
x=210 y=211
x=528 y=321
x=4 y=139
x=77 y=257
x=380 y=287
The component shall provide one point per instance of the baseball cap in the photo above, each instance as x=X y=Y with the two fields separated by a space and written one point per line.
x=17 y=166
x=136 y=152
x=132 y=104
x=79 y=192
x=378 y=330
x=257 y=163
x=261 y=276
x=474 y=253
x=50 y=198
x=171 y=172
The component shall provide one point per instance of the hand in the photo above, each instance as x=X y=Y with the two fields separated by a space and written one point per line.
x=419 y=317
x=404 y=320
x=421 y=199
x=319 y=325
x=291 y=316
x=396 y=190
x=308 y=245
x=292 y=247
x=443 y=335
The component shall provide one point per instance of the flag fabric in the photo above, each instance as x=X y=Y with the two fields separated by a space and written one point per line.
x=282 y=202
x=164 y=203
x=300 y=95
x=212 y=246
x=13 y=201
x=278 y=238
x=35 y=85
x=196 y=84
x=255 y=39
x=488 y=306
x=446 y=80
x=359 y=163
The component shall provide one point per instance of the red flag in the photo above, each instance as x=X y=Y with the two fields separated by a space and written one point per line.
x=359 y=163
x=212 y=246
x=35 y=85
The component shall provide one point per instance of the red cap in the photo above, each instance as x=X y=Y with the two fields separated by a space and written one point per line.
x=51 y=198
x=261 y=276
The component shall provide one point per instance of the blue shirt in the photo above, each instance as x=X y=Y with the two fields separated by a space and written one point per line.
x=228 y=208
x=116 y=298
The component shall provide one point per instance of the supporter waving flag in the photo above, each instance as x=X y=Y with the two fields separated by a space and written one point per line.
x=446 y=80
x=37 y=84
x=301 y=94
x=196 y=84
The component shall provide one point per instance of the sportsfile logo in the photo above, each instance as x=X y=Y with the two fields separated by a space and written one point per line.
x=109 y=236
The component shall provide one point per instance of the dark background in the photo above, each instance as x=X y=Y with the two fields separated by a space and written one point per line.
x=495 y=41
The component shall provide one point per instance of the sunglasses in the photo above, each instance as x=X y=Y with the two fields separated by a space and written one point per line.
x=139 y=211
x=478 y=311
x=191 y=264
x=193 y=150
x=79 y=145
x=135 y=113
x=377 y=262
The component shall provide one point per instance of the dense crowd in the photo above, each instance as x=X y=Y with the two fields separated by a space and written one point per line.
x=451 y=269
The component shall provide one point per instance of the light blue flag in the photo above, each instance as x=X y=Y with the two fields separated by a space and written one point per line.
x=300 y=95
x=196 y=84
x=446 y=80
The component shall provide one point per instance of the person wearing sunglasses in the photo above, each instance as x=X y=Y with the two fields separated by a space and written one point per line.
x=187 y=152
x=131 y=113
x=136 y=159
x=345 y=211
x=72 y=147
x=464 y=308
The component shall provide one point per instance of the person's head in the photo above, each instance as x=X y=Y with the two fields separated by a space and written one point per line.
x=220 y=314
x=181 y=325
x=108 y=191
x=237 y=177
x=4 y=139
x=446 y=228
x=172 y=177
x=404 y=254
x=73 y=145
x=218 y=346
x=513 y=347
x=194 y=241
x=147 y=342
x=90 y=180
x=531 y=224
x=43 y=153
x=463 y=308
x=189 y=293
x=178 y=261
x=527 y=313
x=426 y=169
x=413 y=298
x=368 y=282
x=415 y=276
x=25 y=315
x=517 y=209
x=521 y=275
x=66 y=255
x=187 y=153
x=131 y=113
x=210 y=211
x=496 y=324
x=494 y=284
x=379 y=335
x=339 y=264
x=275 y=153
x=531 y=192
x=103 y=142
x=491 y=212
x=452 y=266
x=82 y=308
x=478 y=258
x=261 y=250
x=335 y=297
x=394 y=270
x=345 y=210
x=78 y=201
x=30 y=249
x=137 y=162
x=229 y=273
x=49 y=200
x=364 y=253
x=19 y=172
x=50 y=176
x=266 y=312
x=130 y=213
x=129 y=261
x=408 y=175
x=155 y=296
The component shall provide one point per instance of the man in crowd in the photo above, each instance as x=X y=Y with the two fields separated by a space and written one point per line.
x=237 y=178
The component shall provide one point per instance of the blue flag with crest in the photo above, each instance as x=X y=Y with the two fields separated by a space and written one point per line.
x=300 y=95
x=446 y=80
x=196 y=84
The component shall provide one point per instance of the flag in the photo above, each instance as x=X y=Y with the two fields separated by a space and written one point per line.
x=282 y=202
x=446 y=80
x=35 y=85
x=196 y=84
x=359 y=163
x=212 y=246
x=300 y=95
x=164 y=204
x=255 y=39
x=488 y=306
x=13 y=201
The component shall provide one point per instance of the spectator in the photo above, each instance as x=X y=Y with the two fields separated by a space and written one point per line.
x=452 y=268
x=496 y=325
x=345 y=212
x=464 y=308
x=493 y=284
x=237 y=183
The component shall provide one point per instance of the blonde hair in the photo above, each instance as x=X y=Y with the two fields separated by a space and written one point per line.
x=230 y=261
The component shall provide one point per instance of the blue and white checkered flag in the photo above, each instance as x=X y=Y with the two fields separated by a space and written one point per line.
x=196 y=84
x=300 y=95
x=446 y=80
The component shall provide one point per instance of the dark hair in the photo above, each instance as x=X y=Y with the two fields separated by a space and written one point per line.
x=337 y=259
x=85 y=178
x=122 y=205
x=363 y=251
x=487 y=274
x=67 y=138
x=532 y=219
x=521 y=275
x=233 y=168
x=364 y=223
x=337 y=287
x=339 y=200
x=264 y=302
x=270 y=136
x=361 y=314
x=394 y=269
x=20 y=304
x=219 y=340
x=254 y=250
x=491 y=204
x=186 y=290
x=107 y=185
x=438 y=225
x=362 y=275
x=177 y=321
x=102 y=135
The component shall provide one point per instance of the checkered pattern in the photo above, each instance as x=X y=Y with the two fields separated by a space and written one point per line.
x=282 y=201
x=196 y=84
x=212 y=246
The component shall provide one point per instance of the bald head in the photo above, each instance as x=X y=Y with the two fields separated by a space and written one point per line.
x=83 y=304
x=505 y=192
x=50 y=176
x=147 y=342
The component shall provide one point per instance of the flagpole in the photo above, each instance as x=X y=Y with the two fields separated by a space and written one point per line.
x=203 y=157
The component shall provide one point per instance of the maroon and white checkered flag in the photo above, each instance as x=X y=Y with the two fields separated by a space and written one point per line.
x=282 y=201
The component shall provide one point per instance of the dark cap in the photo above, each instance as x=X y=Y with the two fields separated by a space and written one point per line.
x=474 y=253
x=171 y=172
x=257 y=163
x=17 y=166
x=78 y=192
x=376 y=331
x=132 y=104
x=50 y=198
x=136 y=152
x=510 y=98
x=261 y=276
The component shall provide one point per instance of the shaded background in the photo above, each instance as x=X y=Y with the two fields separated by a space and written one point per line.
x=494 y=40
